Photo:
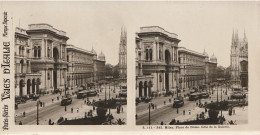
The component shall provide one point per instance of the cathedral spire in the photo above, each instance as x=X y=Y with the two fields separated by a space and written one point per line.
x=245 y=39
x=233 y=37
x=237 y=38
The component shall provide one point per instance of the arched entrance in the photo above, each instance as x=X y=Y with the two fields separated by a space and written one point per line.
x=33 y=86
x=145 y=88
x=56 y=57
x=167 y=61
x=38 y=86
x=28 y=86
x=150 y=85
x=21 y=85
x=140 y=89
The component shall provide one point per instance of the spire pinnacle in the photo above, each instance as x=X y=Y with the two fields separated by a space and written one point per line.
x=245 y=35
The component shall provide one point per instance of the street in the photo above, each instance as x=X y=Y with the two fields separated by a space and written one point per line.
x=53 y=110
x=165 y=113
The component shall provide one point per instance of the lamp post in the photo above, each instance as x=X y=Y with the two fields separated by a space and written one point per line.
x=217 y=93
x=221 y=102
x=37 y=117
x=149 y=113
x=106 y=92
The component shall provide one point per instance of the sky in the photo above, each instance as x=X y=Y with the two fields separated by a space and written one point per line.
x=199 y=25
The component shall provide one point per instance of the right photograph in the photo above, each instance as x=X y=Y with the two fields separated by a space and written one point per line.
x=178 y=85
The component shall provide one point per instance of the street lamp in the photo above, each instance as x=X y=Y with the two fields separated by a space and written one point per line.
x=37 y=116
x=149 y=113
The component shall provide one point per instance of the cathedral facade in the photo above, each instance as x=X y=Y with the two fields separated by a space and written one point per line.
x=123 y=56
x=239 y=60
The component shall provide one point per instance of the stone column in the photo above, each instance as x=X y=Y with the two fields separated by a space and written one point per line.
x=46 y=46
x=51 y=78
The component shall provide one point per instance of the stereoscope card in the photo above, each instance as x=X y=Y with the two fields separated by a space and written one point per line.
x=128 y=66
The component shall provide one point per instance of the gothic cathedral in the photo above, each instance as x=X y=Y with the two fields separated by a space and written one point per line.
x=239 y=61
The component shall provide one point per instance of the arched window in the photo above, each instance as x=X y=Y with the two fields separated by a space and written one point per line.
x=27 y=66
x=151 y=54
x=160 y=54
x=20 y=50
x=35 y=51
x=146 y=54
x=21 y=64
x=39 y=51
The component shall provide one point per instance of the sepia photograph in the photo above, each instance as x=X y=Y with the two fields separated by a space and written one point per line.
x=188 y=75
x=129 y=67
x=65 y=73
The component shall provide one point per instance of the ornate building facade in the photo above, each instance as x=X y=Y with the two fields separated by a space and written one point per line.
x=26 y=81
x=210 y=68
x=157 y=63
x=44 y=62
x=192 y=68
x=123 y=56
x=239 y=60
x=99 y=66
x=49 y=55
x=80 y=66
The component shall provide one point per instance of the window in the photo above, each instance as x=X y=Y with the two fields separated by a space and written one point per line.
x=39 y=51
x=151 y=54
x=146 y=53
x=35 y=51
x=48 y=75
x=21 y=64
x=20 y=50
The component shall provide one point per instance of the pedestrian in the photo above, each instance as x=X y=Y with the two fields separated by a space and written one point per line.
x=57 y=97
x=234 y=112
x=206 y=110
x=77 y=110
x=24 y=114
x=52 y=100
x=122 y=109
x=189 y=112
x=164 y=102
x=71 y=109
x=161 y=122
x=49 y=121
x=177 y=110
x=183 y=112
x=94 y=108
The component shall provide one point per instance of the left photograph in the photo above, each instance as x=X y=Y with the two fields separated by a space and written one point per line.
x=69 y=69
